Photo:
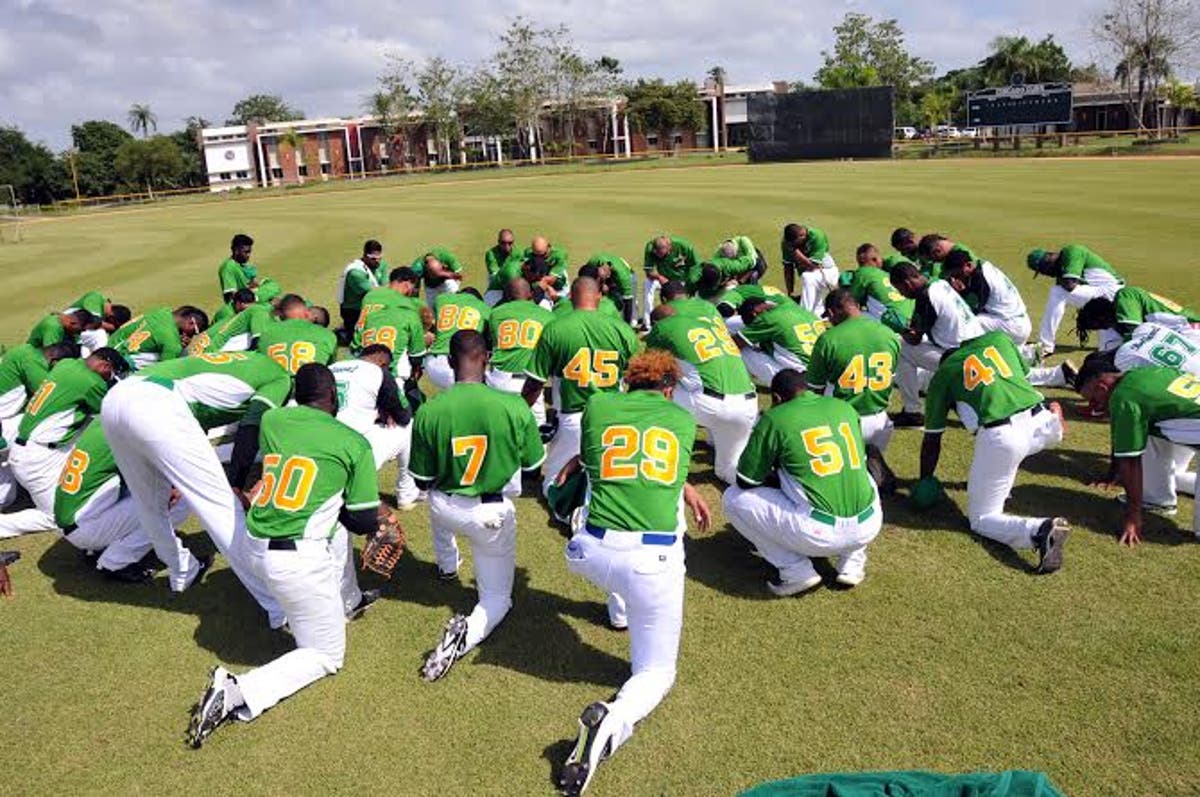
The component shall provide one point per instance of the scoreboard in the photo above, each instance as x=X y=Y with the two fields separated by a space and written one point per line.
x=1033 y=104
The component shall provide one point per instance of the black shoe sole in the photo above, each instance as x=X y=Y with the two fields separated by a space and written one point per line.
x=577 y=770
x=1051 y=560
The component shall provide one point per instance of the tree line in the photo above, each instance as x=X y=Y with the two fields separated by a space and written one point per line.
x=537 y=73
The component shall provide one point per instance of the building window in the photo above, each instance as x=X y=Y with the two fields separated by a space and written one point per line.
x=593 y=144
x=277 y=173
x=651 y=141
x=324 y=168
x=678 y=139
x=242 y=175
x=226 y=175
x=303 y=170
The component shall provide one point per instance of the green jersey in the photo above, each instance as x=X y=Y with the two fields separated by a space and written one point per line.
x=357 y=279
x=223 y=314
x=815 y=246
x=1077 y=262
x=48 y=331
x=455 y=311
x=586 y=351
x=513 y=332
x=386 y=296
x=984 y=380
x=398 y=329
x=471 y=440
x=556 y=264
x=22 y=371
x=313 y=465
x=233 y=276
x=149 y=338
x=785 y=327
x=69 y=395
x=238 y=333
x=693 y=306
x=607 y=307
x=90 y=467
x=1135 y=306
x=500 y=264
x=873 y=291
x=636 y=448
x=227 y=387
x=709 y=358
x=854 y=361
x=1157 y=401
x=680 y=263
x=731 y=299
x=444 y=256
x=815 y=445
x=294 y=342
x=92 y=301
x=622 y=274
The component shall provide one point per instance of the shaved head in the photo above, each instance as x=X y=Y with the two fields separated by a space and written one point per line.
x=661 y=312
x=585 y=293
x=540 y=245
x=517 y=289
x=662 y=245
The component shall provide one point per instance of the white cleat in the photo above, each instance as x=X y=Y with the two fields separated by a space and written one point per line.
x=852 y=569
x=783 y=589
x=214 y=708
x=448 y=651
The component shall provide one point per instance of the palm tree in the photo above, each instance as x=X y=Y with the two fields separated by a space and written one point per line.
x=717 y=73
x=1011 y=55
x=1144 y=67
x=142 y=118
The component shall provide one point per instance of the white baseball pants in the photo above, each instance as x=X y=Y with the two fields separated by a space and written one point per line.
x=649 y=298
x=648 y=581
x=515 y=383
x=763 y=366
x=999 y=452
x=877 y=430
x=157 y=443
x=1018 y=330
x=729 y=421
x=787 y=534
x=36 y=468
x=563 y=446
x=92 y=339
x=431 y=294
x=1056 y=307
x=915 y=369
x=307 y=585
x=437 y=368
x=8 y=483
x=108 y=523
x=815 y=285
x=491 y=530
x=1165 y=474
x=395 y=442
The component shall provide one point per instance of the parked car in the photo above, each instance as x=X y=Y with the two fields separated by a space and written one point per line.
x=970 y=132
x=904 y=133
x=947 y=131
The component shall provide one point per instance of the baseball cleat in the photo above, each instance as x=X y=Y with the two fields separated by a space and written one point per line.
x=214 y=707
x=368 y=598
x=129 y=574
x=1069 y=372
x=908 y=420
x=1166 y=510
x=1052 y=539
x=588 y=752
x=784 y=588
x=407 y=506
x=453 y=644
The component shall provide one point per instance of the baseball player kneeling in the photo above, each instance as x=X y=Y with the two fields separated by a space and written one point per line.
x=985 y=382
x=318 y=476
x=628 y=541
x=803 y=488
x=468 y=445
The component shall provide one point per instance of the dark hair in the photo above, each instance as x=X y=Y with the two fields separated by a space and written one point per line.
x=791 y=232
x=902 y=272
x=372 y=246
x=315 y=382
x=511 y=287
x=710 y=276
x=956 y=260
x=244 y=296
x=318 y=315
x=403 y=274
x=864 y=248
x=902 y=236
x=288 y=301
x=673 y=289
x=61 y=351
x=839 y=298
x=119 y=316
x=465 y=343
x=85 y=318
x=925 y=247
x=1099 y=313
x=787 y=383
x=195 y=315
x=376 y=349
x=120 y=366
x=241 y=239
x=472 y=292
x=590 y=270
x=1094 y=365
x=750 y=306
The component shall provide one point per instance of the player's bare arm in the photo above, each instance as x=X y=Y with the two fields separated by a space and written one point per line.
x=695 y=502
x=1129 y=474
x=931 y=452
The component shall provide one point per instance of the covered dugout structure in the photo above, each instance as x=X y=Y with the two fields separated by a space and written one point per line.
x=821 y=124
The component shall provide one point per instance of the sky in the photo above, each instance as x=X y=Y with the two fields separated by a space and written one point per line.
x=66 y=61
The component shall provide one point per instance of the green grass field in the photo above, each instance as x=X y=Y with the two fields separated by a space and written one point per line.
x=951 y=656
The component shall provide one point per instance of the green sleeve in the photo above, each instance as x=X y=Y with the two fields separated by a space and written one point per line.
x=818 y=245
x=416 y=335
x=690 y=261
x=362 y=488
x=624 y=279
x=95 y=395
x=358 y=282
x=937 y=400
x=1129 y=308
x=632 y=344
x=421 y=462
x=758 y=459
x=490 y=263
x=450 y=261
x=1071 y=262
x=818 y=366
x=542 y=360
x=167 y=334
x=745 y=247
x=654 y=340
x=533 y=451
x=758 y=331
x=648 y=260
x=1129 y=428
x=231 y=276
x=269 y=396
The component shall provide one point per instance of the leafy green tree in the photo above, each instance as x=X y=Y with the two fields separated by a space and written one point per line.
x=141 y=118
x=487 y=107
x=524 y=66
x=654 y=106
x=263 y=108
x=440 y=91
x=935 y=108
x=96 y=143
x=1041 y=62
x=36 y=176
x=869 y=52
x=150 y=163
x=1180 y=97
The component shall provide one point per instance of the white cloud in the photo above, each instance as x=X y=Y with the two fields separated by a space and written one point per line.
x=65 y=61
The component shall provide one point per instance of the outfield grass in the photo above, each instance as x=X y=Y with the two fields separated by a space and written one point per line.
x=951 y=656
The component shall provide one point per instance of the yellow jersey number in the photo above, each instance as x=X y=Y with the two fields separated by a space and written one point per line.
x=870 y=372
x=656 y=451
x=828 y=457
x=590 y=368
x=514 y=334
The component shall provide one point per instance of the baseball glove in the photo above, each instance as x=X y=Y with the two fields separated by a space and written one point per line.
x=926 y=492
x=384 y=548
